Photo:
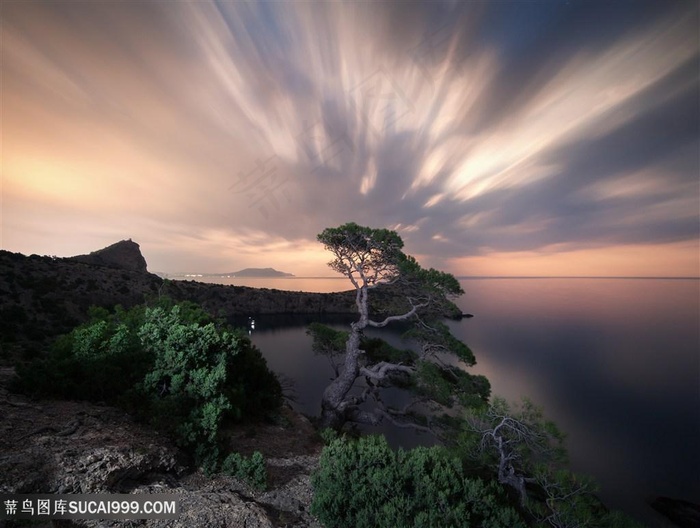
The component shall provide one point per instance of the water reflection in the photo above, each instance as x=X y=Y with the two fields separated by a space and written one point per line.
x=614 y=362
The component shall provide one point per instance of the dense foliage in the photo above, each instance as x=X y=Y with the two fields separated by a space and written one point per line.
x=172 y=365
x=98 y=361
x=364 y=483
x=515 y=441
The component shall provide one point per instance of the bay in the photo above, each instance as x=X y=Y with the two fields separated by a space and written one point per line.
x=614 y=362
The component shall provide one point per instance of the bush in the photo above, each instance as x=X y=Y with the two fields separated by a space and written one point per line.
x=97 y=361
x=171 y=365
x=365 y=483
x=252 y=470
x=203 y=376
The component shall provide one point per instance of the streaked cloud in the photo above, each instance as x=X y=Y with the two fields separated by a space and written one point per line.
x=234 y=132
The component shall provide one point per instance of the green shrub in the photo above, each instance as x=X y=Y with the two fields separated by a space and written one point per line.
x=97 y=361
x=211 y=375
x=171 y=365
x=328 y=435
x=365 y=483
x=252 y=470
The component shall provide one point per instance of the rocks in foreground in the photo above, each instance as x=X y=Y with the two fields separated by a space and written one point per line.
x=77 y=447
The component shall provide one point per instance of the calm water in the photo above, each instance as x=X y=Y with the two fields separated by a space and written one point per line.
x=615 y=362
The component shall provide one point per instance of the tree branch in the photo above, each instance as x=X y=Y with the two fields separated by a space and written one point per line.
x=380 y=370
x=406 y=425
x=376 y=417
x=402 y=317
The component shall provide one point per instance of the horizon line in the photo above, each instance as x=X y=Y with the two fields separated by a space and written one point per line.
x=467 y=277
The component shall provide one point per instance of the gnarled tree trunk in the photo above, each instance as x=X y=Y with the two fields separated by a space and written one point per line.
x=335 y=404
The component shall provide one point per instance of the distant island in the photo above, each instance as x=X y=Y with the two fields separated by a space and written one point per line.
x=247 y=272
x=259 y=272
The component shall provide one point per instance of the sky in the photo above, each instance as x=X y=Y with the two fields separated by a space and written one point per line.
x=515 y=138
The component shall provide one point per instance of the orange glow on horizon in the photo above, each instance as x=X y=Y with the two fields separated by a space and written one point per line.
x=669 y=260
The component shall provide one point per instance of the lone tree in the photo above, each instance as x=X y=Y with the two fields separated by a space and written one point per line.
x=525 y=451
x=518 y=442
x=392 y=288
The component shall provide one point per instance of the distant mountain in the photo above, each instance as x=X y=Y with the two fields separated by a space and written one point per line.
x=260 y=272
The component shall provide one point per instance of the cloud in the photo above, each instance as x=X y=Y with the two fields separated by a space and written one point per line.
x=472 y=128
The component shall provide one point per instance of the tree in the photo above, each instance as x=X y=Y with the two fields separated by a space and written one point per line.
x=393 y=289
x=517 y=442
x=202 y=377
x=526 y=452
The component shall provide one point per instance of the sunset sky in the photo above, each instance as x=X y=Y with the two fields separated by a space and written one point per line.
x=498 y=138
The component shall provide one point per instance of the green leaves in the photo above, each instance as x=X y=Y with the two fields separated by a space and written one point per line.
x=326 y=340
x=97 y=361
x=202 y=367
x=365 y=483
x=449 y=385
x=518 y=444
x=252 y=470
x=90 y=340
x=435 y=337
x=378 y=350
x=365 y=255
x=517 y=433
x=171 y=365
x=427 y=280
x=191 y=358
x=360 y=239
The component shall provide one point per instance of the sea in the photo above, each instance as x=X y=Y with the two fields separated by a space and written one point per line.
x=615 y=362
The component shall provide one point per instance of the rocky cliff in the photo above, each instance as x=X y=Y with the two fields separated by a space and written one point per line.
x=124 y=255
x=42 y=297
